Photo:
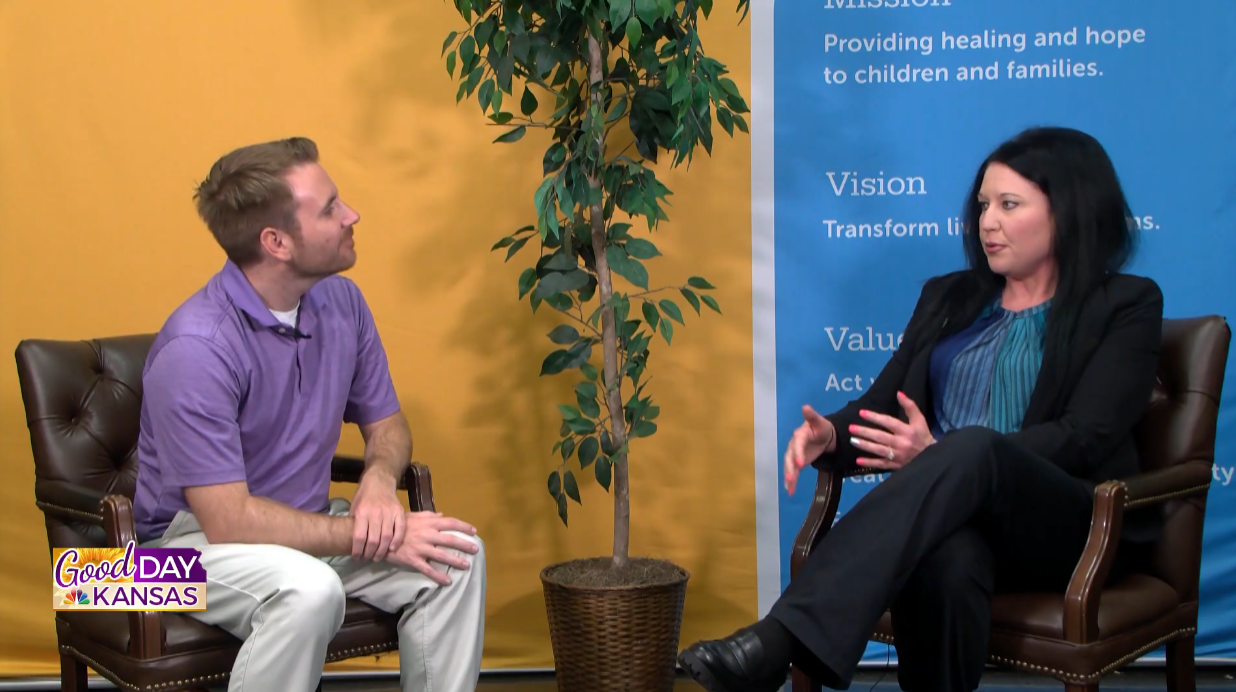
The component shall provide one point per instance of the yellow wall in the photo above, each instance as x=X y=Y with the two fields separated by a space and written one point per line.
x=111 y=111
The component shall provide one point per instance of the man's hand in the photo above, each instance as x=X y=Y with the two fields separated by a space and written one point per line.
x=427 y=540
x=379 y=520
x=898 y=443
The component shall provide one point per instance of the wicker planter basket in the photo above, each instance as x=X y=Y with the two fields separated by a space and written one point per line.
x=615 y=637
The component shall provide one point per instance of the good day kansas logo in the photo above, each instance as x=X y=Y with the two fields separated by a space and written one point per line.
x=128 y=578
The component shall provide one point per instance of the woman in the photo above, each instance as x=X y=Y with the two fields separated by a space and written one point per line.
x=1014 y=392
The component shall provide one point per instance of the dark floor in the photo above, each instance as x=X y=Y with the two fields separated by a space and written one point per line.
x=1208 y=679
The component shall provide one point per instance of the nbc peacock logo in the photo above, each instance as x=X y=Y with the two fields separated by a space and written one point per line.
x=76 y=597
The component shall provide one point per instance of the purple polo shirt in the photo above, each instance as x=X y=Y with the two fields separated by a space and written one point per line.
x=232 y=394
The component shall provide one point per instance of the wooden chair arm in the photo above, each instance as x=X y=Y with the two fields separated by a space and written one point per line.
x=416 y=480
x=1081 y=598
x=820 y=516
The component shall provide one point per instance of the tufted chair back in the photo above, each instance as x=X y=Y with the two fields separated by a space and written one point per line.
x=83 y=406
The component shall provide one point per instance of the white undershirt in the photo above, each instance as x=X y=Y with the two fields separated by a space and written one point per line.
x=289 y=317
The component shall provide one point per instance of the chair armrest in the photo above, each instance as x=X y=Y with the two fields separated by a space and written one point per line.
x=820 y=516
x=1081 y=598
x=1191 y=478
x=416 y=480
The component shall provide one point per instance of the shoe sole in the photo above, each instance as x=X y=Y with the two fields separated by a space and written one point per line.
x=700 y=673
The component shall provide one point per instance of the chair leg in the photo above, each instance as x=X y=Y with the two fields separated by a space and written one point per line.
x=73 y=675
x=801 y=682
x=1180 y=666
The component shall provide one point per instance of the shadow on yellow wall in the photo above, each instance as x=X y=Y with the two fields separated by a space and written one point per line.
x=110 y=113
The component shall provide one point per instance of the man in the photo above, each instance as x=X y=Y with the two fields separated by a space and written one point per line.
x=246 y=389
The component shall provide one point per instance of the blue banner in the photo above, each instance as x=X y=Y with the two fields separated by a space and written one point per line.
x=881 y=114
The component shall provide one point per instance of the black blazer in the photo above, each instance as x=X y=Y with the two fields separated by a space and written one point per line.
x=1085 y=403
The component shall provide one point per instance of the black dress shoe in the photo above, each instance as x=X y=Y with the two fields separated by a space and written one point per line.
x=726 y=665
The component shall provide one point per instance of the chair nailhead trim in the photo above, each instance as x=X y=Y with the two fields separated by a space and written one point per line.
x=1165 y=496
x=68 y=510
x=361 y=650
x=1072 y=677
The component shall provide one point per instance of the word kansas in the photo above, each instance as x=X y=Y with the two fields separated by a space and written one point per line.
x=128 y=578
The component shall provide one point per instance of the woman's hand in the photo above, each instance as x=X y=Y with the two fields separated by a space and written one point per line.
x=814 y=437
x=898 y=443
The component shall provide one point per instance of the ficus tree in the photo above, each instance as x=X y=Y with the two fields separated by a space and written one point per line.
x=627 y=80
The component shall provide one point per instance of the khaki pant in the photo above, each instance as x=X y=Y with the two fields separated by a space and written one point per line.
x=287 y=605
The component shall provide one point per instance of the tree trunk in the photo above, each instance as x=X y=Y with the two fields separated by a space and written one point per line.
x=609 y=330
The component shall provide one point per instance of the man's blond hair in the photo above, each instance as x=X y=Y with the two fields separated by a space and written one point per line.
x=247 y=190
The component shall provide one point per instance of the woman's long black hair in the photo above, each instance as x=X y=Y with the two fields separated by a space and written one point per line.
x=1095 y=233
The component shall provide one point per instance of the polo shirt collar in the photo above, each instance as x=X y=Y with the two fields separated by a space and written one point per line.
x=245 y=297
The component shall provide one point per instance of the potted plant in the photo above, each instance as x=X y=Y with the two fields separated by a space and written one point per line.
x=628 y=80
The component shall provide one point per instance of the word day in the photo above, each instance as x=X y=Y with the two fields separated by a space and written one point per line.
x=129 y=578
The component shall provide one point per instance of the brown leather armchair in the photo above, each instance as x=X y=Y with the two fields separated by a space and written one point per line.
x=1091 y=630
x=83 y=400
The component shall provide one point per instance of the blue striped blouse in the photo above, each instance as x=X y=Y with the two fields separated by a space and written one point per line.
x=984 y=374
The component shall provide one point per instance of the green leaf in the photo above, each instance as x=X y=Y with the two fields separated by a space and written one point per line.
x=602 y=472
x=485 y=31
x=449 y=38
x=554 y=158
x=555 y=484
x=556 y=362
x=564 y=333
x=634 y=31
x=562 y=509
x=712 y=303
x=467 y=51
x=582 y=426
x=651 y=316
x=513 y=136
x=626 y=267
x=588 y=451
x=619 y=12
x=485 y=95
x=474 y=78
x=670 y=308
x=569 y=412
x=586 y=389
x=516 y=247
x=618 y=231
x=559 y=283
x=607 y=444
x=528 y=104
x=691 y=298
x=588 y=406
x=527 y=280
x=648 y=10
x=641 y=249
x=699 y=282
x=568 y=446
x=501 y=118
x=505 y=242
x=726 y=120
x=571 y=487
x=562 y=262
x=741 y=122
x=450 y=64
x=589 y=371
x=500 y=40
x=667 y=330
x=736 y=103
x=618 y=110
x=643 y=429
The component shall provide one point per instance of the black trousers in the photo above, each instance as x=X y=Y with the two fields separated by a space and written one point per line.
x=970 y=515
